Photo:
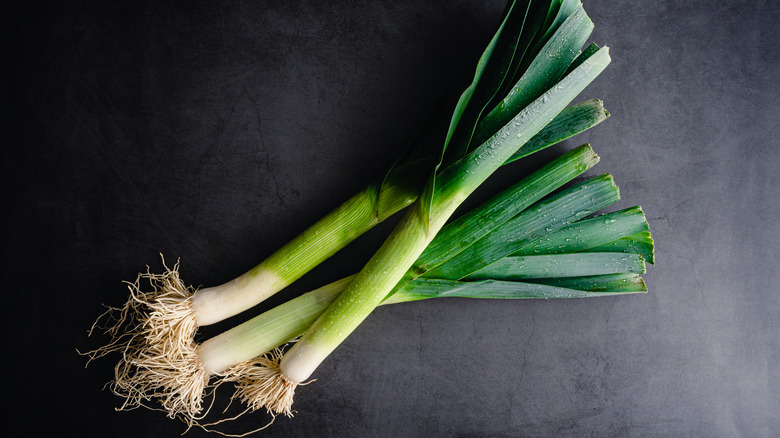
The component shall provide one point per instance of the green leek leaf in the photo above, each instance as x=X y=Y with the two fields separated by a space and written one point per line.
x=422 y=288
x=561 y=265
x=539 y=220
x=589 y=233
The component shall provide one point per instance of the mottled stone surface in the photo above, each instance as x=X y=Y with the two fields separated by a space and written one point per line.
x=214 y=132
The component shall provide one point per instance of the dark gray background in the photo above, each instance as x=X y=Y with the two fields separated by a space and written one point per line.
x=215 y=131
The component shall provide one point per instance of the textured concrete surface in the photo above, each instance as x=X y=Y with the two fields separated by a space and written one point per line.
x=214 y=132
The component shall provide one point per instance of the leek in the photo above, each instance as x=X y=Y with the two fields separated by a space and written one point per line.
x=232 y=355
x=516 y=105
x=517 y=76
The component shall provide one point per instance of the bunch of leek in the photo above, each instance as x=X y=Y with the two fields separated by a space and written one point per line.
x=554 y=252
x=515 y=106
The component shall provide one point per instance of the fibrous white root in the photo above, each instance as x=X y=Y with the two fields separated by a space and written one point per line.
x=155 y=334
x=261 y=384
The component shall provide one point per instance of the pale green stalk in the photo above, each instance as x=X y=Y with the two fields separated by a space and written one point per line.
x=308 y=249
